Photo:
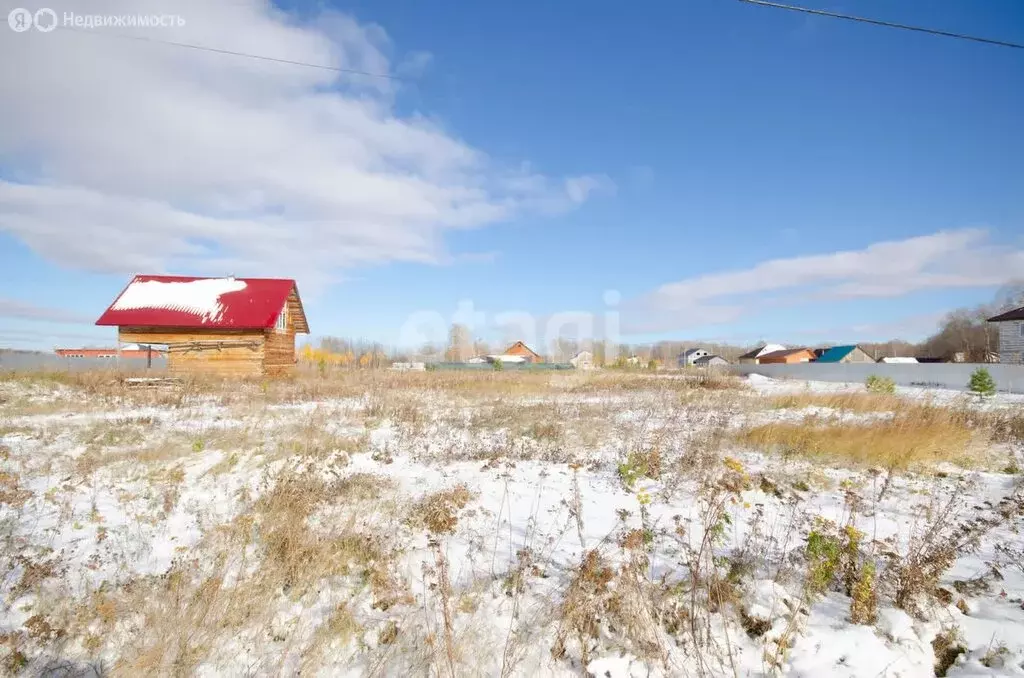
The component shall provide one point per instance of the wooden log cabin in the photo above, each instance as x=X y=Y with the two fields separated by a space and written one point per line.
x=242 y=327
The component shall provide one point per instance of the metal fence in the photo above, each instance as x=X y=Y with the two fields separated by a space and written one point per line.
x=1008 y=378
x=18 y=361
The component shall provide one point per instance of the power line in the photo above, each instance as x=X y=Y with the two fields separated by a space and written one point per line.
x=215 y=50
x=887 y=24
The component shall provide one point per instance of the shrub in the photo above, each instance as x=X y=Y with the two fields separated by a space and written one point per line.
x=883 y=385
x=498 y=366
x=982 y=382
x=864 y=596
x=640 y=464
x=823 y=552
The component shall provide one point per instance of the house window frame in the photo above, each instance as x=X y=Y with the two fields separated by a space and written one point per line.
x=281 y=324
x=1020 y=328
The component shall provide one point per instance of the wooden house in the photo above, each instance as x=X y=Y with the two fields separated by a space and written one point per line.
x=751 y=357
x=787 y=357
x=524 y=351
x=241 y=327
x=1011 y=336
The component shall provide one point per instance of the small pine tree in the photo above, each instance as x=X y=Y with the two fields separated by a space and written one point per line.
x=982 y=382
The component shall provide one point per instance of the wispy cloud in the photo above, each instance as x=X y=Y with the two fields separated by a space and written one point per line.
x=942 y=260
x=144 y=157
x=11 y=308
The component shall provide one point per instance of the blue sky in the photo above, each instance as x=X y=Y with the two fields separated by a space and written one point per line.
x=533 y=156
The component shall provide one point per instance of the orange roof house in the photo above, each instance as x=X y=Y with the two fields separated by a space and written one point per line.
x=787 y=357
x=524 y=351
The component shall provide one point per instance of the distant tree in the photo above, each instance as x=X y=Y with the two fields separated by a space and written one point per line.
x=1009 y=297
x=565 y=349
x=480 y=347
x=460 y=345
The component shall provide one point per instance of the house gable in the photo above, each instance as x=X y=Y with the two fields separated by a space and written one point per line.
x=521 y=349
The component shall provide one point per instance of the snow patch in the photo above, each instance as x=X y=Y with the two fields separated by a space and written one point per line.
x=198 y=297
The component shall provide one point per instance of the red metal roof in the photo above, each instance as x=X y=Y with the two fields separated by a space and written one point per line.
x=170 y=301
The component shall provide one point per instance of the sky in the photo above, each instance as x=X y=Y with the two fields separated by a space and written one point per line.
x=699 y=169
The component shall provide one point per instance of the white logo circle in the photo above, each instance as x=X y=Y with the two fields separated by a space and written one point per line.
x=46 y=20
x=20 y=20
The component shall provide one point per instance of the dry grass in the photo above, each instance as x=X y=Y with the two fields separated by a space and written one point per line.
x=912 y=439
x=846 y=402
x=438 y=512
x=276 y=553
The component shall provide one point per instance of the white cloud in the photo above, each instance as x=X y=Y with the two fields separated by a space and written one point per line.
x=415 y=64
x=133 y=156
x=942 y=260
x=11 y=308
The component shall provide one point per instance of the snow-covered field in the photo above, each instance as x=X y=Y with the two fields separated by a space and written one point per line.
x=508 y=524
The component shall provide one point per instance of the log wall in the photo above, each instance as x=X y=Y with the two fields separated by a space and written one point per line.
x=237 y=353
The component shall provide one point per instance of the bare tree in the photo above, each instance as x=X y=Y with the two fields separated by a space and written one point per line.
x=460 y=344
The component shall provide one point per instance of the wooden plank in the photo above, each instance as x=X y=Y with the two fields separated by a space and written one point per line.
x=208 y=356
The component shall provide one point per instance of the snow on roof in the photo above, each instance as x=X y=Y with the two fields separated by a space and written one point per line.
x=898 y=360
x=198 y=297
x=508 y=358
x=185 y=302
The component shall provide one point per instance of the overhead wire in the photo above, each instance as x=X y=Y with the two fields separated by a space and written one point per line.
x=887 y=24
x=217 y=50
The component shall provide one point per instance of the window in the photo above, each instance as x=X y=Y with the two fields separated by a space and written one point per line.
x=1020 y=328
x=282 y=320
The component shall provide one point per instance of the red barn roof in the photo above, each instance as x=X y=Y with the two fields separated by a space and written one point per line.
x=183 y=301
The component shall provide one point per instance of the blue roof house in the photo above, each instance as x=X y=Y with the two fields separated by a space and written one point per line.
x=845 y=354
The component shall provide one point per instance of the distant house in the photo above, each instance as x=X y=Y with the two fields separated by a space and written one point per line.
x=406 y=366
x=690 y=356
x=127 y=351
x=1011 y=336
x=710 y=361
x=845 y=354
x=477 y=360
x=897 y=360
x=221 y=326
x=584 y=360
x=525 y=352
x=750 y=358
x=787 y=356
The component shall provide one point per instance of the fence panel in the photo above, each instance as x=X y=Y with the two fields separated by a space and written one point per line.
x=1008 y=378
x=26 y=362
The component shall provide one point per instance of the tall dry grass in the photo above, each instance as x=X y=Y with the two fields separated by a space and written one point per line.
x=914 y=438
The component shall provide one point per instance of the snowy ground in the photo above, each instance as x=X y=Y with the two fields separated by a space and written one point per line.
x=497 y=525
